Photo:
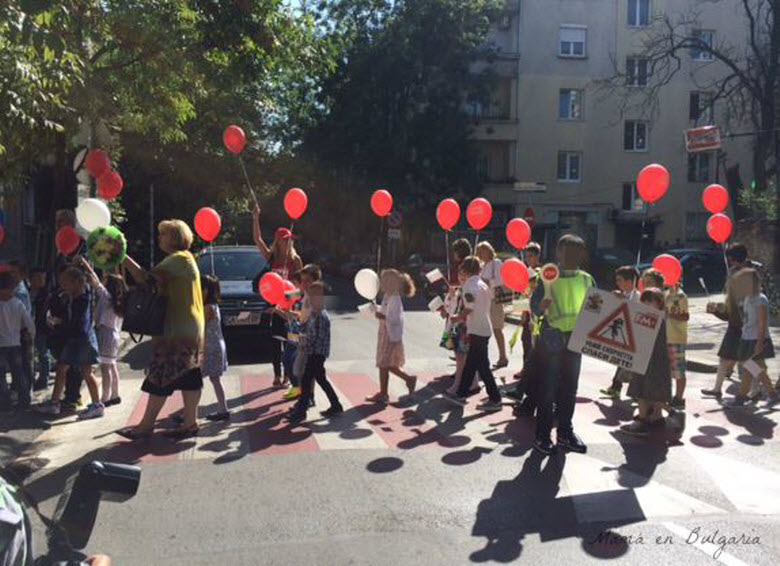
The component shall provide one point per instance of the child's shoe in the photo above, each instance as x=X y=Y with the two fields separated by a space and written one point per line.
x=292 y=393
x=93 y=411
x=49 y=408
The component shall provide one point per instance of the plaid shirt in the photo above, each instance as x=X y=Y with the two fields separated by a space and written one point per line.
x=317 y=333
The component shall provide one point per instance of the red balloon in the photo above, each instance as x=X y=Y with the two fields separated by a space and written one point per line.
x=272 y=288
x=97 y=163
x=719 y=227
x=208 y=224
x=715 y=198
x=478 y=213
x=234 y=139
x=518 y=232
x=448 y=213
x=671 y=268
x=381 y=202
x=288 y=302
x=652 y=182
x=515 y=275
x=67 y=240
x=109 y=185
x=295 y=203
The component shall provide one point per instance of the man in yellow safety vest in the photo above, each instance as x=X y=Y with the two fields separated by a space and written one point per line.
x=560 y=304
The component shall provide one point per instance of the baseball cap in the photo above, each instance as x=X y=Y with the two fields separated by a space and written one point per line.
x=283 y=234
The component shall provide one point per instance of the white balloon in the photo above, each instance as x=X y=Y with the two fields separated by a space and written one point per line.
x=367 y=284
x=93 y=213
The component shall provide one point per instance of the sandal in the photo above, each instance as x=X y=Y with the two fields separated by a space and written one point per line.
x=377 y=398
x=182 y=433
x=132 y=434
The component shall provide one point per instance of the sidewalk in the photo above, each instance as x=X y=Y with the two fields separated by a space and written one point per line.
x=705 y=332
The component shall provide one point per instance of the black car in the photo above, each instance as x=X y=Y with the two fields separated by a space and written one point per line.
x=244 y=312
x=699 y=265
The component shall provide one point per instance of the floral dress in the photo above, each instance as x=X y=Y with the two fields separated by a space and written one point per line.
x=390 y=345
x=214 y=350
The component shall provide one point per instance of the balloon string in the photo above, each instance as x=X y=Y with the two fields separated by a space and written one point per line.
x=379 y=247
x=726 y=261
x=211 y=246
x=447 y=252
x=292 y=225
x=642 y=236
x=476 y=239
x=248 y=184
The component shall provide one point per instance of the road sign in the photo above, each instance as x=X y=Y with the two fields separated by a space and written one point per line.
x=702 y=139
x=395 y=219
x=393 y=234
x=616 y=331
x=530 y=216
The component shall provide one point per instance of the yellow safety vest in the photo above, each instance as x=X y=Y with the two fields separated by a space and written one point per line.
x=568 y=294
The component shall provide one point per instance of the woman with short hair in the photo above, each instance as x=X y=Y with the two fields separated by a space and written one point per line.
x=176 y=355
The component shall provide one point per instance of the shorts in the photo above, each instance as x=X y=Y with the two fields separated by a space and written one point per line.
x=747 y=347
x=496 y=316
x=677 y=360
x=191 y=380
x=78 y=352
x=729 y=347
x=108 y=344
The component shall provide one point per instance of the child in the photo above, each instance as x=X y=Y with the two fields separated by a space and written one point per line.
x=309 y=274
x=653 y=389
x=214 y=351
x=291 y=345
x=626 y=278
x=756 y=343
x=39 y=298
x=476 y=315
x=652 y=279
x=109 y=315
x=390 y=342
x=677 y=338
x=13 y=319
x=560 y=309
x=316 y=346
x=80 y=345
x=533 y=256
x=491 y=274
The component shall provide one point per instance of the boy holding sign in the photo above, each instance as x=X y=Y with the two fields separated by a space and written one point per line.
x=559 y=299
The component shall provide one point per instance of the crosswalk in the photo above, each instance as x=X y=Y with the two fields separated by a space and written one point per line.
x=601 y=489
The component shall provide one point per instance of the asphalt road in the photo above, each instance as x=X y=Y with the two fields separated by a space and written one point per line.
x=419 y=482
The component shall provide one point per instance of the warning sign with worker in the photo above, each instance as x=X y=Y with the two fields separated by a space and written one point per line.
x=616 y=331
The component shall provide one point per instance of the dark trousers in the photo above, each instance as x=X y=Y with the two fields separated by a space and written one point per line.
x=73 y=384
x=288 y=361
x=477 y=361
x=528 y=342
x=616 y=385
x=532 y=370
x=315 y=371
x=42 y=354
x=278 y=328
x=12 y=358
x=558 y=384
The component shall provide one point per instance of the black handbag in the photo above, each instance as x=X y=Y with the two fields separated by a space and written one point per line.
x=145 y=311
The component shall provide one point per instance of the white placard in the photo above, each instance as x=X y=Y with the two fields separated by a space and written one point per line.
x=367 y=310
x=616 y=331
x=752 y=368
x=435 y=304
x=434 y=276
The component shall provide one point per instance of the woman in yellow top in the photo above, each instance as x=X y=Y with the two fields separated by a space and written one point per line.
x=176 y=355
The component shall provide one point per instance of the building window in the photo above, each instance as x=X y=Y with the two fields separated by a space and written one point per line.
x=636 y=71
x=699 y=168
x=494 y=163
x=638 y=13
x=504 y=22
x=570 y=104
x=572 y=41
x=703 y=40
x=701 y=108
x=635 y=136
x=631 y=201
x=569 y=166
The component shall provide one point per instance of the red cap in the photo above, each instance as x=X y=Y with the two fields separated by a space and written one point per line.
x=283 y=234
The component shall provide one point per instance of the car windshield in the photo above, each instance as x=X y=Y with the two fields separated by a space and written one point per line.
x=233 y=266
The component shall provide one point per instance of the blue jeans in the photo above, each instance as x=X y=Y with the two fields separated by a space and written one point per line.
x=557 y=384
x=12 y=358
x=288 y=360
x=42 y=353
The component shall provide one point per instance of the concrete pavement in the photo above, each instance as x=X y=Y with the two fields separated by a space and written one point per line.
x=419 y=482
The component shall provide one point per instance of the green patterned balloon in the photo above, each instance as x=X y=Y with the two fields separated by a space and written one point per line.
x=106 y=247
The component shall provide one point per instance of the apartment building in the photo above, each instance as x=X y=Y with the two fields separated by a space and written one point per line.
x=555 y=147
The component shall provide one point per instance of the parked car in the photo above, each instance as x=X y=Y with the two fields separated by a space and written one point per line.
x=699 y=265
x=603 y=263
x=244 y=312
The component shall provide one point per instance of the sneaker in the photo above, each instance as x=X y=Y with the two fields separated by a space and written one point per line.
x=333 y=411
x=49 y=408
x=572 y=443
x=292 y=393
x=712 y=393
x=454 y=399
x=112 y=402
x=71 y=405
x=636 y=428
x=218 y=416
x=677 y=403
x=544 y=446
x=611 y=393
x=93 y=411
x=295 y=417
x=490 y=406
